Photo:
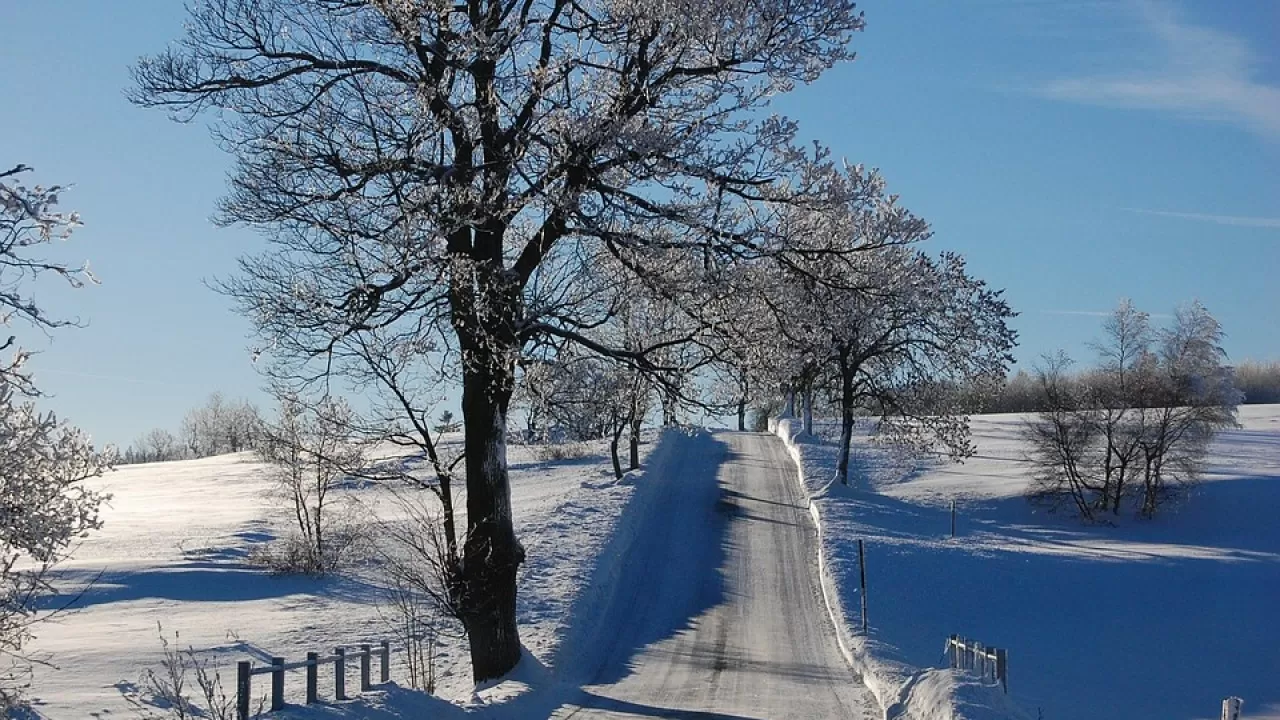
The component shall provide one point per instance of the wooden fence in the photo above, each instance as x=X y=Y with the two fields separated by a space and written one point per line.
x=968 y=654
x=245 y=671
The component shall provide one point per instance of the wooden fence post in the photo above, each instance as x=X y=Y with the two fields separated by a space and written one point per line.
x=366 y=654
x=277 y=684
x=1002 y=668
x=386 y=662
x=244 y=688
x=1231 y=708
x=862 y=572
x=313 y=677
x=340 y=674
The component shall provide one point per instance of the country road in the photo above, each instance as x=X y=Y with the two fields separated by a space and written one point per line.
x=717 y=613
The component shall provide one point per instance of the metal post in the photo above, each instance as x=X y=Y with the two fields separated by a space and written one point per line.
x=340 y=674
x=386 y=662
x=244 y=680
x=1002 y=668
x=862 y=572
x=366 y=652
x=1231 y=708
x=313 y=677
x=277 y=684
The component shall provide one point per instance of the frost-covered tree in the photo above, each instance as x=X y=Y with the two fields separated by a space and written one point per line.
x=221 y=426
x=45 y=506
x=311 y=451
x=891 y=331
x=898 y=337
x=1136 y=428
x=439 y=174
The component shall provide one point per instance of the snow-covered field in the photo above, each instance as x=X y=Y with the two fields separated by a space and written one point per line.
x=173 y=549
x=1158 y=619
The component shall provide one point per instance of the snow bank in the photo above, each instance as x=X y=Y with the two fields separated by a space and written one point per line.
x=902 y=690
x=1136 y=619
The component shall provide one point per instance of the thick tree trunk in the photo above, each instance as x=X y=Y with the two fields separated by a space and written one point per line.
x=742 y=415
x=846 y=419
x=491 y=554
x=789 y=410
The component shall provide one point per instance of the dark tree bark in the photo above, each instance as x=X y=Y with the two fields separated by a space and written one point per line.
x=848 y=372
x=637 y=421
x=615 y=437
x=491 y=554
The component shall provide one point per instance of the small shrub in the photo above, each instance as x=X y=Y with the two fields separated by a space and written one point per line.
x=552 y=452
x=185 y=687
x=294 y=555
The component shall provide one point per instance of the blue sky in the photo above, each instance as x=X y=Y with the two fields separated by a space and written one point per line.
x=1075 y=152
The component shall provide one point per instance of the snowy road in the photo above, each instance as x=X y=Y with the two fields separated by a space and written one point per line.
x=716 y=613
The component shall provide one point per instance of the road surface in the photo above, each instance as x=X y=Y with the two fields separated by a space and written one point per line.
x=717 y=612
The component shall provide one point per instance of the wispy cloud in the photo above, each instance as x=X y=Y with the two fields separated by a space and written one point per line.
x=1235 y=220
x=1201 y=72
x=1083 y=313
x=1099 y=313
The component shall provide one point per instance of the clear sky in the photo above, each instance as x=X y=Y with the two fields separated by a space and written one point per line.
x=1075 y=152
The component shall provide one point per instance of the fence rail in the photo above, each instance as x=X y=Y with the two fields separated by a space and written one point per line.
x=245 y=672
x=966 y=654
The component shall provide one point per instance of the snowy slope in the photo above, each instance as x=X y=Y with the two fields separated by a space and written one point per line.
x=1157 y=619
x=172 y=551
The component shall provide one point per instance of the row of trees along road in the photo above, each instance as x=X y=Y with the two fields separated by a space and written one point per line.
x=456 y=191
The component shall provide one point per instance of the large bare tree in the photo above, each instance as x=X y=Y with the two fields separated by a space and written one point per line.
x=438 y=175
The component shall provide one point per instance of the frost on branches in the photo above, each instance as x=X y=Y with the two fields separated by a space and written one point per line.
x=435 y=179
x=44 y=506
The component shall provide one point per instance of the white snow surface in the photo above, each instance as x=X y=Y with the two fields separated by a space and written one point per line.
x=1156 y=619
x=172 y=551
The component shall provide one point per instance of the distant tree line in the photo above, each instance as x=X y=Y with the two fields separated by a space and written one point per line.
x=219 y=426
x=1258 y=382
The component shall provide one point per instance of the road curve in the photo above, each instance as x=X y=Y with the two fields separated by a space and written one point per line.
x=719 y=614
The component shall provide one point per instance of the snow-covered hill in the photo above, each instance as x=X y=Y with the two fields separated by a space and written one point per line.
x=173 y=552
x=1158 y=619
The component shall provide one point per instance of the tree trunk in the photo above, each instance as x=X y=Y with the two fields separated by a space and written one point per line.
x=669 y=403
x=491 y=554
x=742 y=415
x=614 y=437
x=637 y=421
x=789 y=410
x=807 y=399
x=846 y=419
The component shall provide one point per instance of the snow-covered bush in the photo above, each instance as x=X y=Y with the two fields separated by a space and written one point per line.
x=45 y=508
